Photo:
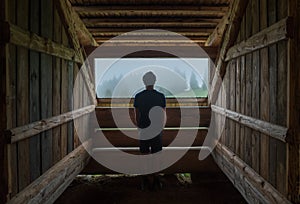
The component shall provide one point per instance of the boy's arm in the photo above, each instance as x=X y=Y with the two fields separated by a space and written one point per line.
x=136 y=116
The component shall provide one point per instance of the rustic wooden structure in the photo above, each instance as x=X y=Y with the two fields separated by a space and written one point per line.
x=254 y=44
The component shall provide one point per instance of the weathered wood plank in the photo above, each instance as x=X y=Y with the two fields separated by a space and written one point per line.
x=26 y=131
x=271 y=35
x=70 y=139
x=48 y=187
x=232 y=104
x=293 y=105
x=215 y=38
x=272 y=18
x=3 y=121
x=46 y=84
x=34 y=91
x=281 y=180
x=248 y=94
x=264 y=94
x=56 y=100
x=33 y=41
x=227 y=103
x=262 y=191
x=238 y=142
x=255 y=109
x=23 y=96
x=236 y=14
x=12 y=105
x=64 y=99
x=105 y=117
x=119 y=138
x=273 y=130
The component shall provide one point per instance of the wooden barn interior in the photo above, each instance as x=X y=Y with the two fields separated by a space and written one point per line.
x=253 y=43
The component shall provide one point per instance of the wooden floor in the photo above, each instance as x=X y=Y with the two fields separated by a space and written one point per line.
x=125 y=190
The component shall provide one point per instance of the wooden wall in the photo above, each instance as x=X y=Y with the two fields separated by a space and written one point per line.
x=38 y=86
x=257 y=84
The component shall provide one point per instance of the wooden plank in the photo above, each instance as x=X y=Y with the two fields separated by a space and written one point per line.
x=216 y=36
x=70 y=139
x=248 y=99
x=281 y=180
x=275 y=131
x=188 y=163
x=227 y=103
x=243 y=91
x=74 y=24
x=23 y=97
x=264 y=94
x=78 y=35
x=64 y=99
x=3 y=121
x=238 y=142
x=261 y=190
x=232 y=105
x=119 y=138
x=275 y=33
x=34 y=91
x=56 y=101
x=255 y=109
x=26 y=131
x=48 y=187
x=105 y=117
x=235 y=17
x=12 y=105
x=31 y=40
x=293 y=106
x=272 y=18
x=76 y=137
x=46 y=84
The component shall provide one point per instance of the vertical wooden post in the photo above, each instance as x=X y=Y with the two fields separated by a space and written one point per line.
x=46 y=83
x=56 y=101
x=272 y=18
x=255 y=88
x=11 y=81
x=294 y=105
x=34 y=92
x=3 y=121
x=264 y=93
x=23 y=96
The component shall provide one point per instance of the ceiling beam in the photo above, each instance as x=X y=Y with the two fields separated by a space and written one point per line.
x=94 y=23
x=176 y=30
x=134 y=12
x=150 y=34
x=150 y=2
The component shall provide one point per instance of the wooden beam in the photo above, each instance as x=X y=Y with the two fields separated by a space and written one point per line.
x=78 y=35
x=68 y=15
x=96 y=11
x=149 y=42
x=251 y=185
x=293 y=104
x=95 y=23
x=216 y=37
x=191 y=31
x=48 y=187
x=21 y=37
x=271 y=35
x=112 y=34
x=26 y=131
x=161 y=3
x=235 y=18
x=275 y=131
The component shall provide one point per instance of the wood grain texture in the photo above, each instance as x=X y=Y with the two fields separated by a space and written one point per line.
x=105 y=116
x=23 y=97
x=264 y=94
x=250 y=184
x=48 y=187
x=56 y=99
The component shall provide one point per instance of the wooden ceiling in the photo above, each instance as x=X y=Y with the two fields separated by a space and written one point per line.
x=195 y=19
